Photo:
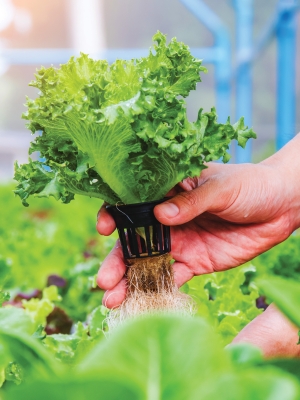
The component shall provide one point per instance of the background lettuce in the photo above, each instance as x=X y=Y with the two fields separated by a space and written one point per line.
x=189 y=358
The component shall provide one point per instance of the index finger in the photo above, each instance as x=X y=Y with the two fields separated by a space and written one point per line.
x=112 y=269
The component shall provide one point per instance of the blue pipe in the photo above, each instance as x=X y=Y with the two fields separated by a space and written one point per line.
x=267 y=34
x=59 y=56
x=286 y=72
x=222 y=53
x=223 y=77
x=244 y=29
x=266 y=37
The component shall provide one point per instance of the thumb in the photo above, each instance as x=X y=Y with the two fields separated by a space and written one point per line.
x=212 y=196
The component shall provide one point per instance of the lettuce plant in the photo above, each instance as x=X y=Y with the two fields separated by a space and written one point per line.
x=120 y=132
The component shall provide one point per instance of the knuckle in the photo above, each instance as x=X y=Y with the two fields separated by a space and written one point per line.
x=188 y=199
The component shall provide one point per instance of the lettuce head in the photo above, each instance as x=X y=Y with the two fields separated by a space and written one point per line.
x=120 y=132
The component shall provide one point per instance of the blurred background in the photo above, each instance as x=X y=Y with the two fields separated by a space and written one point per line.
x=250 y=47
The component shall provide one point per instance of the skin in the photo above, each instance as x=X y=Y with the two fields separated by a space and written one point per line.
x=273 y=333
x=225 y=217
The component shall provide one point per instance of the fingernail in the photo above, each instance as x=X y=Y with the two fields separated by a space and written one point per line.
x=170 y=210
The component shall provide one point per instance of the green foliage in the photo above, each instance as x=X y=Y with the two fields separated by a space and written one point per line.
x=70 y=349
x=157 y=361
x=120 y=132
x=47 y=238
x=282 y=260
x=80 y=297
x=4 y=296
x=97 y=322
x=245 y=354
x=285 y=294
x=167 y=356
x=102 y=387
x=150 y=364
x=24 y=348
x=16 y=329
x=14 y=373
x=5 y=265
x=16 y=320
x=26 y=351
x=39 y=309
x=219 y=298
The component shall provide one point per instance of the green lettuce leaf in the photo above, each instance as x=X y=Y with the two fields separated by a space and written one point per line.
x=171 y=357
x=163 y=357
x=20 y=353
x=108 y=387
x=285 y=294
x=69 y=348
x=220 y=299
x=39 y=309
x=13 y=319
x=4 y=296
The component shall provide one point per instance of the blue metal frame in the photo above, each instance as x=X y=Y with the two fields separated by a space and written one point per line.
x=243 y=77
x=59 y=56
x=282 y=26
x=221 y=50
x=286 y=72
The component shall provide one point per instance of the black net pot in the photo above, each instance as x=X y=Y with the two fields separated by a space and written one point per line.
x=140 y=233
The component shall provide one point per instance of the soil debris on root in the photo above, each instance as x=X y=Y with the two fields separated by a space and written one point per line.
x=151 y=289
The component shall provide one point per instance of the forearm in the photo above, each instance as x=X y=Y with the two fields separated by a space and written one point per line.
x=287 y=163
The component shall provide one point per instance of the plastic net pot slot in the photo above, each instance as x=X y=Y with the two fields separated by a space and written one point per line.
x=140 y=233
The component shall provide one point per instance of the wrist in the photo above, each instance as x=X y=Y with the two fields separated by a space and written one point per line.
x=286 y=165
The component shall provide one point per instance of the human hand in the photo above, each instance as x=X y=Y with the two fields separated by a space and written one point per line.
x=273 y=333
x=227 y=216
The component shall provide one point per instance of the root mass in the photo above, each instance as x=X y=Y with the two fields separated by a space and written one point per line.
x=151 y=289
